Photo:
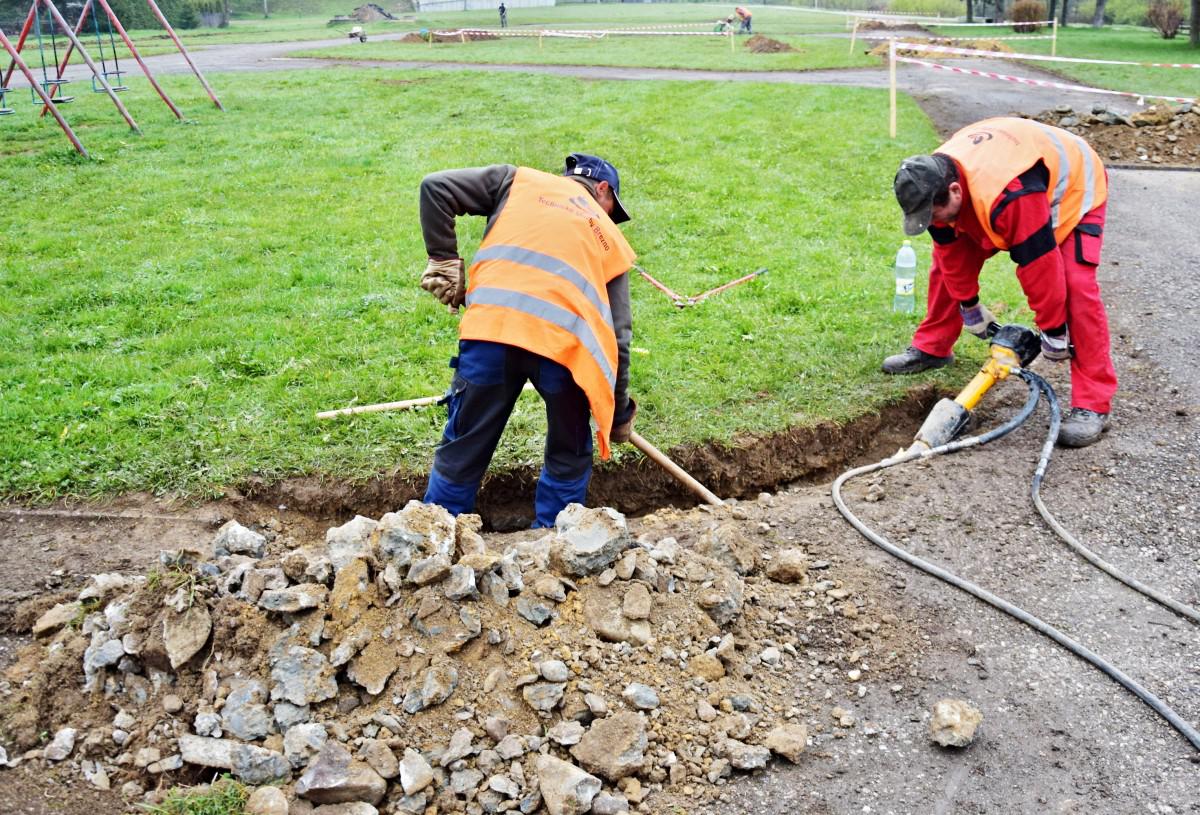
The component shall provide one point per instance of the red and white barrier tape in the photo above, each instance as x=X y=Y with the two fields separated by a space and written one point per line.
x=949 y=23
x=1042 y=83
x=903 y=37
x=578 y=34
x=971 y=52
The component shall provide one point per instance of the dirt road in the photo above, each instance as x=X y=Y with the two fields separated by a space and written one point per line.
x=1057 y=736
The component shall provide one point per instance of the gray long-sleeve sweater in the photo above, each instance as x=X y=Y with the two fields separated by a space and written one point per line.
x=483 y=191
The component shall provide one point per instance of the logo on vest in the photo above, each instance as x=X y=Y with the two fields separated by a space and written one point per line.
x=979 y=138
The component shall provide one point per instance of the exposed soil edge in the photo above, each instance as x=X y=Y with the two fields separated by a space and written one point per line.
x=751 y=464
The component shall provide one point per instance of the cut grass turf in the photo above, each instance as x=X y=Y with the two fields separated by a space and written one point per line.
x=173 y=313
x=1125 y=44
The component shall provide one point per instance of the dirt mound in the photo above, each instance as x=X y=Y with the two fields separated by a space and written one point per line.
x=1162 y=134
x=409 y=663
x=758 y=44
x=881 y=50
x=412 y=37
x=883 y=25
x=371 y=13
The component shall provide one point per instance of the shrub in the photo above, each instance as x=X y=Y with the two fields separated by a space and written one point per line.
x=1025 y=14
x=1166 y=16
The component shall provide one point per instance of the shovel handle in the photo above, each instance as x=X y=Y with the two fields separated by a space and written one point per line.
x=674 y=469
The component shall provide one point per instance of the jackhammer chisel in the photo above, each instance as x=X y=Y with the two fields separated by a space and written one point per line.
x=1013 y=347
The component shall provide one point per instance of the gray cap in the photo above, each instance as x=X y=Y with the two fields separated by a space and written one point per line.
x=918 y=180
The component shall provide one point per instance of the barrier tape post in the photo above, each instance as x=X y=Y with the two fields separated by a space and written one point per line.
x=892 y=87
x=853 y=35
x=462 y=36
x=540 y=40
x=1054 y=38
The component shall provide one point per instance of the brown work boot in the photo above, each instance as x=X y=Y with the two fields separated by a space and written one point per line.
x=1082 y=427
x=913 y=360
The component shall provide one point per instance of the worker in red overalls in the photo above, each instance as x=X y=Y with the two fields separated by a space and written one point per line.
x=1039 y=193
x=744 y=16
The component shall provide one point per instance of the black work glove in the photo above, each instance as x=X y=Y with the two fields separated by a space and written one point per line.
x=622 y=430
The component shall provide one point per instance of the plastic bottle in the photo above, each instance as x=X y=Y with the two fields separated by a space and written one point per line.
x=906 y=275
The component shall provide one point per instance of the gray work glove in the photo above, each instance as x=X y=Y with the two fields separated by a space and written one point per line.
x=1056 y=349
x=446 y=279
x=977 y=319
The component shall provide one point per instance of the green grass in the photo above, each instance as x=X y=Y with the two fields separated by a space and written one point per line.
x=173 y=313
x=702 y=53
x=225 y=797
x=1126 y=44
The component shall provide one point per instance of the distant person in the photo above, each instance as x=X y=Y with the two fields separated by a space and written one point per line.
x=1040 y=194
x=503 y=16
x=548 y=302
x=743 y=15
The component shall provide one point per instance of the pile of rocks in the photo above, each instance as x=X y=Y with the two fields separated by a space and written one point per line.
x=404 y=665
x=1159 y=134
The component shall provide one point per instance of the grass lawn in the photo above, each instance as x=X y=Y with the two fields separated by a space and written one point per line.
x=173 y=313
x=1126 y=44
x=703 y=53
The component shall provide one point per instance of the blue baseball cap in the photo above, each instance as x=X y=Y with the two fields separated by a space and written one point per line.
x=599 y=169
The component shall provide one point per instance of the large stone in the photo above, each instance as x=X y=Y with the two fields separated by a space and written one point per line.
x=566 y=789
x=431 y=687
x=587 y=541
x=415 y=772
x=640 y=696
x=104 y=586
x=350 y=541
x=374 y=665
x=294 y=598
x=614 y=747
x=789 y=566
x=300 y=675
x=350 y=808
x=206 y=752
x=416 y=532
x=603 y=613
x=954 y=722
x=727 y=545
x=637 y=603
x=267 y=801
x=460 y=585
x=543 y=696
x=303 y=741
x=235 y=539
x=722 y=600
x=61 y=615
x=707 y=666
x=432 y=569
x=308 y=564
x=61 y=745
x=335 y=777
x=256 y=765
x=380 y=758
x=746 y=756
x=245 y=715
x=185 y=634
x=787 y=740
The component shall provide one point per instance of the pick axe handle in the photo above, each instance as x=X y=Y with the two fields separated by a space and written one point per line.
x=674 y=469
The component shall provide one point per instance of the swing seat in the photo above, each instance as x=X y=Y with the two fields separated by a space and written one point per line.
x=46 y=83
x=98 y=88
x=6 y=111
x=59 y=100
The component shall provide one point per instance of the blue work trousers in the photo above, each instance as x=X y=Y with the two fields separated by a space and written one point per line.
x=487 y=381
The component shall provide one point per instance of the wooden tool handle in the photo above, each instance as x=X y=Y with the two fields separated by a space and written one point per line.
x=674 y=469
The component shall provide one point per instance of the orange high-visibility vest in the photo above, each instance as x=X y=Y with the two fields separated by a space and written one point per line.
x=539 y=282
x=744 y=13
x=993 y=152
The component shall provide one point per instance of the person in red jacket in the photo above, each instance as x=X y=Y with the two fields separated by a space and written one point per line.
x=1039 y=193
x=548 y=303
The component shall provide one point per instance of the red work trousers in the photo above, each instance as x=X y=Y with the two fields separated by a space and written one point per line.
x=1093 y=377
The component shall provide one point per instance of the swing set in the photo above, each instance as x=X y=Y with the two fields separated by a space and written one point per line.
x=44 y=21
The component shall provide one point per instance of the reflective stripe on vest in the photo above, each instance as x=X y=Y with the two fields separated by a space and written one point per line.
x=539 y=282
x=548 y=263
x=551 y=313
x=993 y=152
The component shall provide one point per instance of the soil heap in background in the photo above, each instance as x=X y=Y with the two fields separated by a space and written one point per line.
x=408 y=665
x=881 y=50
x=1161 y=134
x=371 y=13
x=758 y=44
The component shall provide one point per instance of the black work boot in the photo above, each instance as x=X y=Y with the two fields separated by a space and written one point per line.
x=913 y=361
x=1082 y=427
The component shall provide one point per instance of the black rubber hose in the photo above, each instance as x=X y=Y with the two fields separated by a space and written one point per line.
x=1087 y=554
x=1035 y=388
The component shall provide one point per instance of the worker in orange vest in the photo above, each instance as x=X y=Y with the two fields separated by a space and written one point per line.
x=744 y=16
x=548 y=302
x=1039 y=193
